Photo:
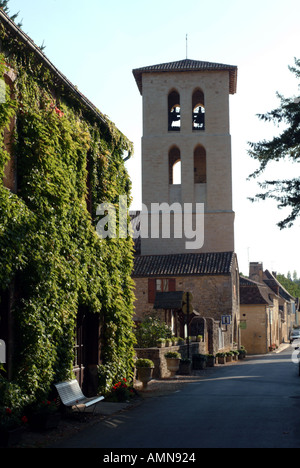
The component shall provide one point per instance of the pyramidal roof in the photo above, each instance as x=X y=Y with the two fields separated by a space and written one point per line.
x=187 y=65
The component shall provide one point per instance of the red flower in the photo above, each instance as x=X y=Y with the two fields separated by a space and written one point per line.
x=24 y=419
x=8 y=411
x=58 y=112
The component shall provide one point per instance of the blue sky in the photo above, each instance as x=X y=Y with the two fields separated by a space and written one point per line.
x=96 y=44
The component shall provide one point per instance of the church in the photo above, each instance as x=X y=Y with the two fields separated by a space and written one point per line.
x=186 y=226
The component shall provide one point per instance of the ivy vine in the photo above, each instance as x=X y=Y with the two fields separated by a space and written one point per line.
x=49 y=248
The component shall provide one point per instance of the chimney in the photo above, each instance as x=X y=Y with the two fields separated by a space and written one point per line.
x=256 y=271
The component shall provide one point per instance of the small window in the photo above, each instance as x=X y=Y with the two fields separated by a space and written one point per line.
x=200 y=165
x=198 y=110
x=160 y=285
x=174 y=166
x=174 y=114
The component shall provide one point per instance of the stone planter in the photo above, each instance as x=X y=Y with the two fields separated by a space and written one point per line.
x=210 y=361
x=160 y=344
x=185 y=368
x=173 y=365
x=199 y=361
x=229 y=358
x=144 y=375
x=11 y=437
x=221 y=359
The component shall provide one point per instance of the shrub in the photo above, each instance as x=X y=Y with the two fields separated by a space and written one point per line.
x=173 y=355
x=144 y=363
x=150 y=331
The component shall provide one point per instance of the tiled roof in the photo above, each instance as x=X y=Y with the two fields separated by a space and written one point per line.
x=252 y=292
x=219 y=263
x=187 y=65
x=276 y=286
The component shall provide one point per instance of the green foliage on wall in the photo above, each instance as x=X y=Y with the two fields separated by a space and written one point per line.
x=49 y=250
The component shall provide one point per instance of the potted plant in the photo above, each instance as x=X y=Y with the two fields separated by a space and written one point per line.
x=199 y=361
x=161 y=343
x=235 y=354
x=185 y=367
x=168 y=342
x=210 y=360
x=242 y=352
x=229 y=356
x=181 y=341
x=44 y=415
x=173 y=361
x=221 y=358
x=11 y=427
x=144 y=370
x=199 y=338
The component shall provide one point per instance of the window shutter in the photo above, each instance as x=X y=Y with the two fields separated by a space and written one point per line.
x=172 y=284
x=151 y=290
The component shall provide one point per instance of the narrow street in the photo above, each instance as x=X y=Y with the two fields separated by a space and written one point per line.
x=251 y=404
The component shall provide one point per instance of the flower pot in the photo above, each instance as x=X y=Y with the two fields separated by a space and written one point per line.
x=145 y=375
x=185 y=368
x=221 y=359
x=173 y=365
x=229 y=358
x=44 y=421
x=199 y=361
x=210 y=361
x=160 y=344
x=11 y=437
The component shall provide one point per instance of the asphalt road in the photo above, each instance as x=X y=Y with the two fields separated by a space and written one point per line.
x=252 y=404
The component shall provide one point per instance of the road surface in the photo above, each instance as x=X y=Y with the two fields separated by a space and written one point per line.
x=251 y=404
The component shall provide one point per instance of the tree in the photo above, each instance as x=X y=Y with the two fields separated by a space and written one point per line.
x=286 y=145
x=4 y=6
x=291 y=286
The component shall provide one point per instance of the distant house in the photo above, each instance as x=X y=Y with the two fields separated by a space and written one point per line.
x=260 y=319
x=268 y=311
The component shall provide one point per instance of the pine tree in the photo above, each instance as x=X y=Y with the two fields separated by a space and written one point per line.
x=286 y=145
x=4 y=6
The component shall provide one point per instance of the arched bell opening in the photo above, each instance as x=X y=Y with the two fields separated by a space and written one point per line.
x=198 y=105
x=174 y=113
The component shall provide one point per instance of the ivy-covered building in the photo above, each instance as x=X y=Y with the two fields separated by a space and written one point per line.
x=66 y=295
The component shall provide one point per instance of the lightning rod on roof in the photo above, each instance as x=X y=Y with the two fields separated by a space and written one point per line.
x=186 y=45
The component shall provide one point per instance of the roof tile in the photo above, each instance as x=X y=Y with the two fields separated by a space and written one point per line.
x=216 y=263
x=187 y=65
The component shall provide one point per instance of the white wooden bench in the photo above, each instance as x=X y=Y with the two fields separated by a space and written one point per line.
x=71 y=395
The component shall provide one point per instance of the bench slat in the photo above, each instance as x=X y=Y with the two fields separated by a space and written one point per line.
x=71 y=394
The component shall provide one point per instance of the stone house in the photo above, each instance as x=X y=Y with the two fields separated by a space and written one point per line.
x=267 y=311
x=59 y=157
x=260 y=318
x=287 y=303
x=213 y=280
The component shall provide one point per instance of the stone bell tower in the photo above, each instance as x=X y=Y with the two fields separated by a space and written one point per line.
x=186 y=155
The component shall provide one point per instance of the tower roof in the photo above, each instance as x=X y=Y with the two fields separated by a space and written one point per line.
x=187 y=65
